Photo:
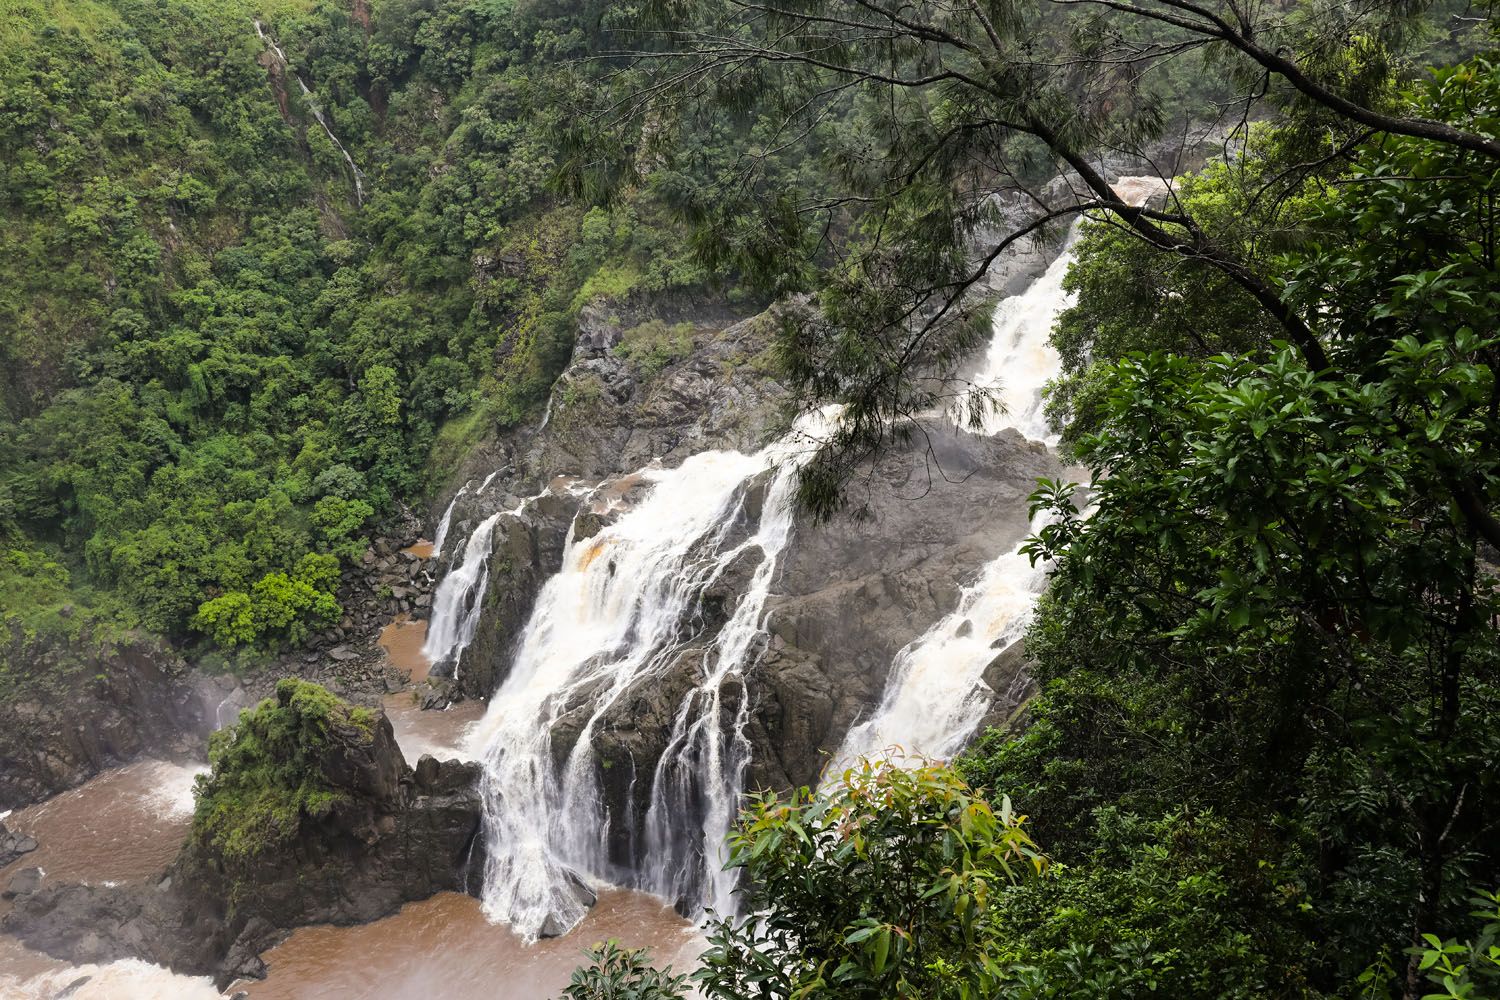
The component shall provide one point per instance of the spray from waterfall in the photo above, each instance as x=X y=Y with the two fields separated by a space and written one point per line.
x=935 y=695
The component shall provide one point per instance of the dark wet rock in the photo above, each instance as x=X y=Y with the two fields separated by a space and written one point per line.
x=853 y=592
x=72 y=988
x=90 y=705
x=398 y=834
x=435 y=693
x=553 y=927
x=609 y=418
x=23 y=883
x=13 y=846
x=1009 y=676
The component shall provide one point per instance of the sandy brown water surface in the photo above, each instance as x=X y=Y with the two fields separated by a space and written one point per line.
x=124 y=825
x=438 y=733
x=422 y=549
x=444 y=948
x=402 y=641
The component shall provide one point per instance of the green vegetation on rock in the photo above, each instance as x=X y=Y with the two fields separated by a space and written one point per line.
x=215 y=361
x=269 y=770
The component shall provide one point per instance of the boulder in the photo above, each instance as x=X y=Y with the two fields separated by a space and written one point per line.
x=14 y=845
x=23 y=883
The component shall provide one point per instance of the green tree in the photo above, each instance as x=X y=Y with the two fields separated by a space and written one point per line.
x=1286 y=559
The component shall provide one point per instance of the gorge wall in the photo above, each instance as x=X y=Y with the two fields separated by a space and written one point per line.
x=658 y=631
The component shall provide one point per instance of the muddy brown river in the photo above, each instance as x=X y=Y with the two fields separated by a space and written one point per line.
x=444 y=947
x=126 y=824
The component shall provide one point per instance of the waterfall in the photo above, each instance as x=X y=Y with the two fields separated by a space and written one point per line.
x=1020 y=361
x=620 y=612
x=459 y=601
x=442 y=531
x=624 y=616
x=935 y=695
x=317 y=113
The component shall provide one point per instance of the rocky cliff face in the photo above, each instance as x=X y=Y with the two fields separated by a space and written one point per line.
x=847 y=595
x=398 y=834
x=89 y=706
x=855 y=591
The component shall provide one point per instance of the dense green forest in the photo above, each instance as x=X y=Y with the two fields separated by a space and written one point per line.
x=221 y=366
x=1264 y=759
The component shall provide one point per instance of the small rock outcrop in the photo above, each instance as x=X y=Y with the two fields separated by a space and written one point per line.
x=13 y=846
x=311 y=815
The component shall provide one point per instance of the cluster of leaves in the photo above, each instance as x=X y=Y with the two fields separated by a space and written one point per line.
x=884 y=883
x=616 y=973
x=268 y=771
x=1279 y=607
x=1466 y=970
x=653 y=345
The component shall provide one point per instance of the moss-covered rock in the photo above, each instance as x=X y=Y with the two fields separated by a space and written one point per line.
x=291 y=757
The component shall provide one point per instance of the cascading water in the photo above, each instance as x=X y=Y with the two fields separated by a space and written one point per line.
x=620 y=612
x=459 y=599
x=935 y=696
x=623 y=611
x=442 y=532
x=317 y=113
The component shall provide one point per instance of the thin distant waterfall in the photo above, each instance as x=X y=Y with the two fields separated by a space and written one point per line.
x=935 y=696
x=460 y=598
x=317 y=113
x=441 y=537
x=619 y=612
x=459 y=601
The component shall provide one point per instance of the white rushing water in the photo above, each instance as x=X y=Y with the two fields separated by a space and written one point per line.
x=459 y=601
x=130 y=979
x=439 y=539
x=620 y=613
x=317 y=113
x=935 y=696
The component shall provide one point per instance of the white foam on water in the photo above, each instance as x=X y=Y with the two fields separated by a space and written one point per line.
x=173 y=786
x=130 y=979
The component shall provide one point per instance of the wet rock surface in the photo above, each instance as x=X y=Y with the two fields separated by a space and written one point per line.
x=14 y=846
x=93 y=705
x=854 y=591
x=398 y=834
